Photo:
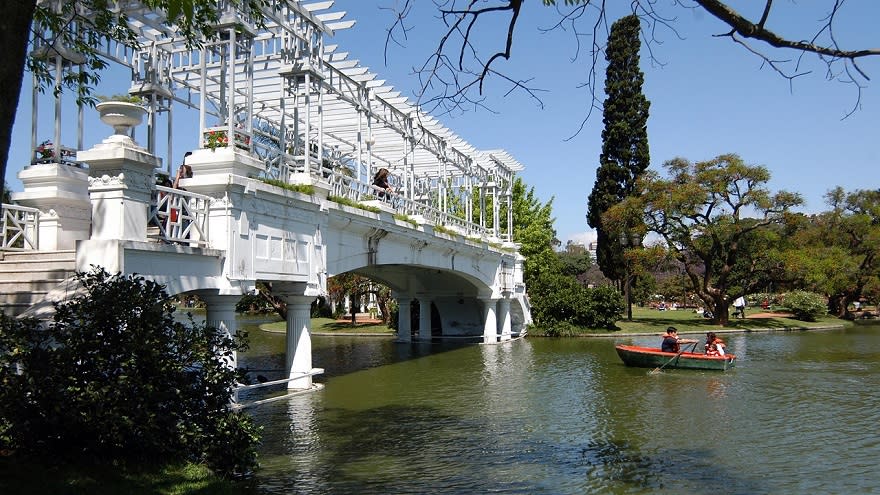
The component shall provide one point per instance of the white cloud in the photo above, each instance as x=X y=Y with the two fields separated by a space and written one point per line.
x=582 y=238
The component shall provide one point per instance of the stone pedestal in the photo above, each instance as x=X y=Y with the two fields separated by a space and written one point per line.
x=120 y=185
x=61 y=194
x=223 y=161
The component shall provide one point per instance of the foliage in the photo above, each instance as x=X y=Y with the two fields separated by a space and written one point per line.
x=838 y=252
x=114 y=377
x=37 y=477
x=122 y=97
x=406 y=218
x=354 y=204
x=625 y=153
x=445 y=230
x=564 y=300
x=300 y=188
x=354 y=286
x=606 y=307
x=35 y=34
x=807 y=306
x=575 y=260
x=699 y=213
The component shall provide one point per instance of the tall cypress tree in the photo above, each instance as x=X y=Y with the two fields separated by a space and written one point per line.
x=624 y=140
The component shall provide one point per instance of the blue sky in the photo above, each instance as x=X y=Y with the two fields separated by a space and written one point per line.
x=709 y=97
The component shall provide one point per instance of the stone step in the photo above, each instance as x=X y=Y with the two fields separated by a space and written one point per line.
x=27 y=277
x=36 y=255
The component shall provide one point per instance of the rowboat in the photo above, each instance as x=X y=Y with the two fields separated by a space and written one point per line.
x=651 y=357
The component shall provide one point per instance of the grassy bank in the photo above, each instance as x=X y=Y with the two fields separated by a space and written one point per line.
x=331 y=326
x=32 y=478
x=652 y=321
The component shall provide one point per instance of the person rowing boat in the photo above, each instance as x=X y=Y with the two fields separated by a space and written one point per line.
x=671 y=341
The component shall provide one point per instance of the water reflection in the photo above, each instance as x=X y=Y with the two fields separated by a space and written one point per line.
x=565 y=416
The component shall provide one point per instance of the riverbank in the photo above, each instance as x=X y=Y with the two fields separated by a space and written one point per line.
x=364 y=326
x=648 y=321
x=645 y=322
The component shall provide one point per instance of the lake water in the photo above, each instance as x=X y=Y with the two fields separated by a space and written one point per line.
x=798 y=414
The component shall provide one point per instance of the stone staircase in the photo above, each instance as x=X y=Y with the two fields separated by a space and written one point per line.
x=26 y=277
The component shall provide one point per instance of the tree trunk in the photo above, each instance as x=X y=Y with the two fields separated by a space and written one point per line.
x=15 y=22
x=837 y=305
x=721 y=314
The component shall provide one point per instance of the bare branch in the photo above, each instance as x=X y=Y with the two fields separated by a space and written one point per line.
x=456 y=82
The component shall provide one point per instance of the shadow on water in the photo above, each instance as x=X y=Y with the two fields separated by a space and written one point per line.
x=418 y=449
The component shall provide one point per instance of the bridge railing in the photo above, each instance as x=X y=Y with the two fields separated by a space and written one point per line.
x=354 y=190
x=21 y=228
x=179 y=217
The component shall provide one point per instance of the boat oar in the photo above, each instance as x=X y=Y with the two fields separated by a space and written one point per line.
x=673 y=358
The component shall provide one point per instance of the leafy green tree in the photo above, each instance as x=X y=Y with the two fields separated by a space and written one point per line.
x=576 y=260
x=354 y=285
x=699 y=212
x=837 y=252
x=625 y=154
x=34 y=32
x=114 y=377
x=807 y=306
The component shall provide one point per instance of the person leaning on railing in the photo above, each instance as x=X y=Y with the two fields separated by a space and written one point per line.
x=380 y=181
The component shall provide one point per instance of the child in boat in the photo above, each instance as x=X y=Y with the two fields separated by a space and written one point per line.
x=714 y=345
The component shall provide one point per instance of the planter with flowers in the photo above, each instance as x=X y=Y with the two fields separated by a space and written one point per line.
x=47 y=152
x=122 y=112
x=218 y=137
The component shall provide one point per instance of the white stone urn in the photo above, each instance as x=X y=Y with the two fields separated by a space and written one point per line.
x=121 y=115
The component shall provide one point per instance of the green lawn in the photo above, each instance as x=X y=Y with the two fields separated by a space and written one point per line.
x=328 y=325
x=647 y=320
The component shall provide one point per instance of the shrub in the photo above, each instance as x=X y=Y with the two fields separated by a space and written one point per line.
x=114 y=377
x=565 y=300
x=606 y=307
x=806 y=306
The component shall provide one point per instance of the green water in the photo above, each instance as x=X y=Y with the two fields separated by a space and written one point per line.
x=797 y=415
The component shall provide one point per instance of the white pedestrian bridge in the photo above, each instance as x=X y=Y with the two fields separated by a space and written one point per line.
x=287 y=200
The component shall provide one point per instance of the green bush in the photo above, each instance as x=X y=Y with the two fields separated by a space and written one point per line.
x=806 y=306
x=114 y=377
x=565 y=300
x=606 y=306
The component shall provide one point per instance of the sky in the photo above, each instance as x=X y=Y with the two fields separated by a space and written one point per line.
x=708 y=97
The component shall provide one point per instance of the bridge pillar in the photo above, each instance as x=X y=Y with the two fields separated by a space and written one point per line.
x=299 y=341
x=504 y=318
x=490 y=321
x=425 y=318
x=220 y=314
x=404 y=327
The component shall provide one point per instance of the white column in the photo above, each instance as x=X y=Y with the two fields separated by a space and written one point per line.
x=404 y=329
x=120 y=185
x=424 y=318
x=504 y=318
x=490 y=322
x=220 y=314
x=299 y=341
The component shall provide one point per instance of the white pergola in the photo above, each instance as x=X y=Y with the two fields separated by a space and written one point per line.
x=303 y=105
